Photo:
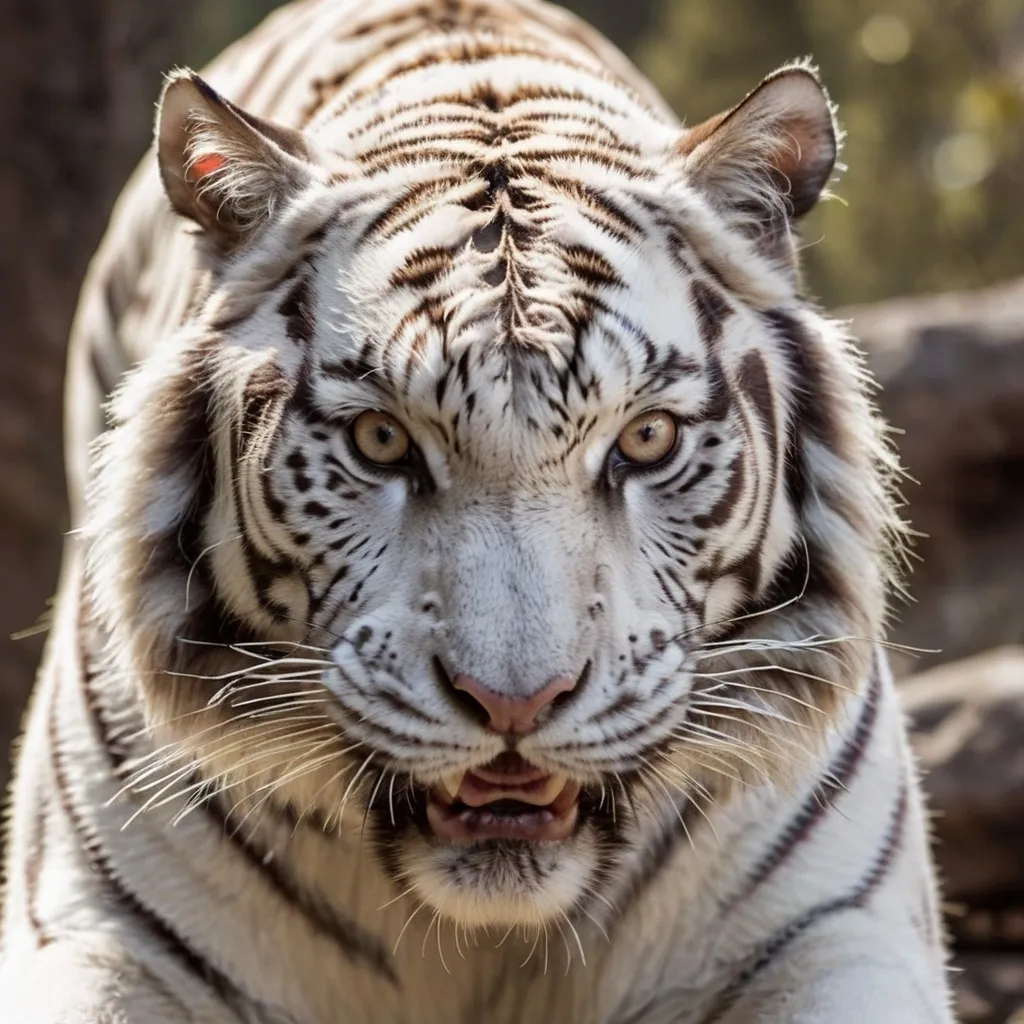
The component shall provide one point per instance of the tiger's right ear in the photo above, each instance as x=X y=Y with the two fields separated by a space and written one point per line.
x=222 y=167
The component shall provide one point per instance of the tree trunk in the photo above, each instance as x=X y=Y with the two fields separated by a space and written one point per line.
x=77 y=87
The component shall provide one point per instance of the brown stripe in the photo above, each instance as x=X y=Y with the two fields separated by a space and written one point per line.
x=424 y=266
x=471 y=53
x=410 y=205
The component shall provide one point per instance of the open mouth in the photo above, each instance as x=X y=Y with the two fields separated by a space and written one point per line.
x=507 y=798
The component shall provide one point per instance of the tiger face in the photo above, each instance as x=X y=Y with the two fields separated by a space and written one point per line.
x=472 y=458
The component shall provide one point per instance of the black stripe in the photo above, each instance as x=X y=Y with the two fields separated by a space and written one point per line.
x=187 y=958
x=33 y=867
x=814 y=411
x=298 y=311
x=355 y=942
x=677 y=829
x=712 y=310
x=856 y=899
x=819 y=802
x=262 y=571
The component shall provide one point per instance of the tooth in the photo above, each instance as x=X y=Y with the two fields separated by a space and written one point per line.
x=451 y=782
x=557 y=783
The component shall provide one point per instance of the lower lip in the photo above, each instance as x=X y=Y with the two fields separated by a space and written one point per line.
x=473 y=824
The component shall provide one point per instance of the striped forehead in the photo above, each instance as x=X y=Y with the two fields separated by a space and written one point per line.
x=508 y=253
x=463 y=340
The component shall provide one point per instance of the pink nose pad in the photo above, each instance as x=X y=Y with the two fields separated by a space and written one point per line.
x=511 y=714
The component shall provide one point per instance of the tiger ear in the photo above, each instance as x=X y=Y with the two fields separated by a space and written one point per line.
x=222 y=167
x=767 y=161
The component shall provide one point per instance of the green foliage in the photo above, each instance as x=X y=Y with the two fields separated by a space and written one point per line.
x=930 y=94
x=216 y=23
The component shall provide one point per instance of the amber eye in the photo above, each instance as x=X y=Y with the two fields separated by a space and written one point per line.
x=648 y=438
x=380 y=438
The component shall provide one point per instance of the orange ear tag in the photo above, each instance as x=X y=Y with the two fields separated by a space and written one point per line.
x=207 y=165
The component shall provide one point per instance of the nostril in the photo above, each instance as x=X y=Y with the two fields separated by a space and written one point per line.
x=573 y=692
x=444 y=682
x=441 y=677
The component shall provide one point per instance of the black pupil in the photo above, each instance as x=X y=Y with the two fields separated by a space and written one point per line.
x=385 y=435
x=648 y=432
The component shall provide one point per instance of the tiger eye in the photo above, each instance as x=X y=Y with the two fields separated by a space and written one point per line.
x=380 y=438
x=648 y=438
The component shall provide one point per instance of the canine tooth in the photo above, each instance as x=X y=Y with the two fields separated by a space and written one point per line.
x=451 y=782
x=557 y=783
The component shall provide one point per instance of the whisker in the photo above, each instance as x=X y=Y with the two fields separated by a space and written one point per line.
x=195 y=564
x=720 y=763
x=369 y=805
x=395 y=899
x=391 y=799
x=764 y=611
x=714 y=707
x=352 y=783
x=565 y=943
x=675 y=807
x=132 y=785
x=702 y=790
x=409 y=919
x=768 y=691
x=714 y=746
x=440 y=952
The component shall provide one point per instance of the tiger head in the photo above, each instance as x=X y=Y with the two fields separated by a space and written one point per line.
x=500 y=489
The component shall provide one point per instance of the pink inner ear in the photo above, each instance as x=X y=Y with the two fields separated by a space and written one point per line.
x=207 y=165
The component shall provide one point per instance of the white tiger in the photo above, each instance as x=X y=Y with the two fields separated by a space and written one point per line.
x=478 y=609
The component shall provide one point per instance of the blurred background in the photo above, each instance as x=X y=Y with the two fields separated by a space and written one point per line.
x=923 y=249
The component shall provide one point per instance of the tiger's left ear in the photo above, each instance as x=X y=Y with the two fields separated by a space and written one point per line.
x=223 y=167
x=767 y=161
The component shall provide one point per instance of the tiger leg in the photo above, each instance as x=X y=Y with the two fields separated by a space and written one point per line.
x=854 y=967
x=83 y=981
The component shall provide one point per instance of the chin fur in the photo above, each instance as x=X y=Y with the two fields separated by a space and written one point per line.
x=501 y=883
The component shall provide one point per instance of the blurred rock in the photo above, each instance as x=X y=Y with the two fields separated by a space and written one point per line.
x=990 y=988
x=952 y=372
x=967 y=719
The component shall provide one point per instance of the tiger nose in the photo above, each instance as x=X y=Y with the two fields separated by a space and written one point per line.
x=516 y=715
